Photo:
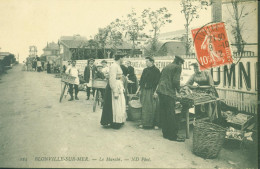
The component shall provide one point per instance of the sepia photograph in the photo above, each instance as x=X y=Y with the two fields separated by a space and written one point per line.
x=129 y=84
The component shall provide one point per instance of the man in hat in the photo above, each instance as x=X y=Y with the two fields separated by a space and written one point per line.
x=89 y=72
x=168 y=85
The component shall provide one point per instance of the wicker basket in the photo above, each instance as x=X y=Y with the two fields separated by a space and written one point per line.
x=101 y=84
x=134 y=111
x=208 y=139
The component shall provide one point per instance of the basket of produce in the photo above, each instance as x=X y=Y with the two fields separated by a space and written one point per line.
x=99 y=83
x=240 y=121
x=135 y=110
x=208 y=139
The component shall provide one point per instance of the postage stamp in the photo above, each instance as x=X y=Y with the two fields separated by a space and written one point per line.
x=212 y=46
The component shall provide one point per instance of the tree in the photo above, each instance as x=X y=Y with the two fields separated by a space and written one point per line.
x=239 y=12
x=190 y=9
x=156 y=19
x=114 y=34
x=133 y=26
x=93 y=44
x=101 y=38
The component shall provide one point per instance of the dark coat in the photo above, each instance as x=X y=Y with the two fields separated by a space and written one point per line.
x=87 y=73
x=170 y=80
x=150 y=78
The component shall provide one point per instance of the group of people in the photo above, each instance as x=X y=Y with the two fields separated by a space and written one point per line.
x=34 y=65
x=157 y=91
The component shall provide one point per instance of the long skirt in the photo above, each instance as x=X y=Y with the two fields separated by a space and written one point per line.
x=107 y=112
x=150 y=114
x=114 y=110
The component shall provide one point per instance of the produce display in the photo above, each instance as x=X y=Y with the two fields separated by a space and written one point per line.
x=232 y=133
x=238 y=119
x=189 y=97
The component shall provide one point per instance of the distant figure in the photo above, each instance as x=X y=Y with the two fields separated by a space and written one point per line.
x=48 y=67
x=39 y=66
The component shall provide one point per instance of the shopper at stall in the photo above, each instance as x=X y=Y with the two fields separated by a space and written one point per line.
x=73 y=71
x=89 y=72
x=132 y=80
x=148 y=84
x=169 y=84
x=114 y=109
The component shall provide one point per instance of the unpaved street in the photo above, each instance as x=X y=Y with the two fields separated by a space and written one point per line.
x=33 y=125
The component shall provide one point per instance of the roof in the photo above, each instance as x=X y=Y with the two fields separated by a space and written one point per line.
x=124 y=45
x=174 y=48
x=5 y=53
x=52 y=46
x=73 y=43
x=171 y=35
x=79 y=43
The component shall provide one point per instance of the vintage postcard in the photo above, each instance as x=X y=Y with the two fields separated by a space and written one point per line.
x=129 y=84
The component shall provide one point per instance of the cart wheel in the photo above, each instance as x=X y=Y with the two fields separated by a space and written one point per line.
x=62 y=92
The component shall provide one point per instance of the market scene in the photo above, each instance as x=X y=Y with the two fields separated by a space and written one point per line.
x=169 y=84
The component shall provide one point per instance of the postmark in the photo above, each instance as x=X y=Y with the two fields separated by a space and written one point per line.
x=212 y=46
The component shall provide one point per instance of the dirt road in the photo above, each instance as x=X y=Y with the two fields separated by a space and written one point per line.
x=38 y=131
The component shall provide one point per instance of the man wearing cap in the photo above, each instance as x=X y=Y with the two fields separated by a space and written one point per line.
x=168 y=85
x=89 y=72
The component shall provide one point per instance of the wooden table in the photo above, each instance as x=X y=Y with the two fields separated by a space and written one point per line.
x=186 y=110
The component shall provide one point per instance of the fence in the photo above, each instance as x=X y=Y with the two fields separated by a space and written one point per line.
x=244 y=101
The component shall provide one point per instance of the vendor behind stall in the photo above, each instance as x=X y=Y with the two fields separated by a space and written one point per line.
x=204 y=80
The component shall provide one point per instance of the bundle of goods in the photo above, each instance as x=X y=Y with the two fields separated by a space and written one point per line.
x=232 y=133
x=240 y=121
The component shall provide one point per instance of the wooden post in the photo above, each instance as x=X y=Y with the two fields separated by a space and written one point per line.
x=187 y=123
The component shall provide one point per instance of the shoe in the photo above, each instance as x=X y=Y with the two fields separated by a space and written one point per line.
x=140 y=126
x=87 y=98
x=178 y=139
x=76 y=98
x=71 y=99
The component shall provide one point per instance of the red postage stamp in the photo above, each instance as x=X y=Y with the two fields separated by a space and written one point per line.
x=212 y=46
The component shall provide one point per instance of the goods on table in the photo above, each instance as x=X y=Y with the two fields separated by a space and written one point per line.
x=194 y=98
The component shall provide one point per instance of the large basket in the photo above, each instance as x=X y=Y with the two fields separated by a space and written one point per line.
x=208 y=139
x=99 y=83
x=134 y=111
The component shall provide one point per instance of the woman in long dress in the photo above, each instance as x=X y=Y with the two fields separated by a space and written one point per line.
x=114 y=109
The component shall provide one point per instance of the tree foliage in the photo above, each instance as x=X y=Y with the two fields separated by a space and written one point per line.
x=237 y=14
x=156 y=19
x=191 y=9
x=133 y=26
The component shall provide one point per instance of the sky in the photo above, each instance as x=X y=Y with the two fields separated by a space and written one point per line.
x=36 y=22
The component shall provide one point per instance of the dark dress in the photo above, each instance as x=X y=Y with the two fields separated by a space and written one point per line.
x=148 y=83
x=132 y=87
